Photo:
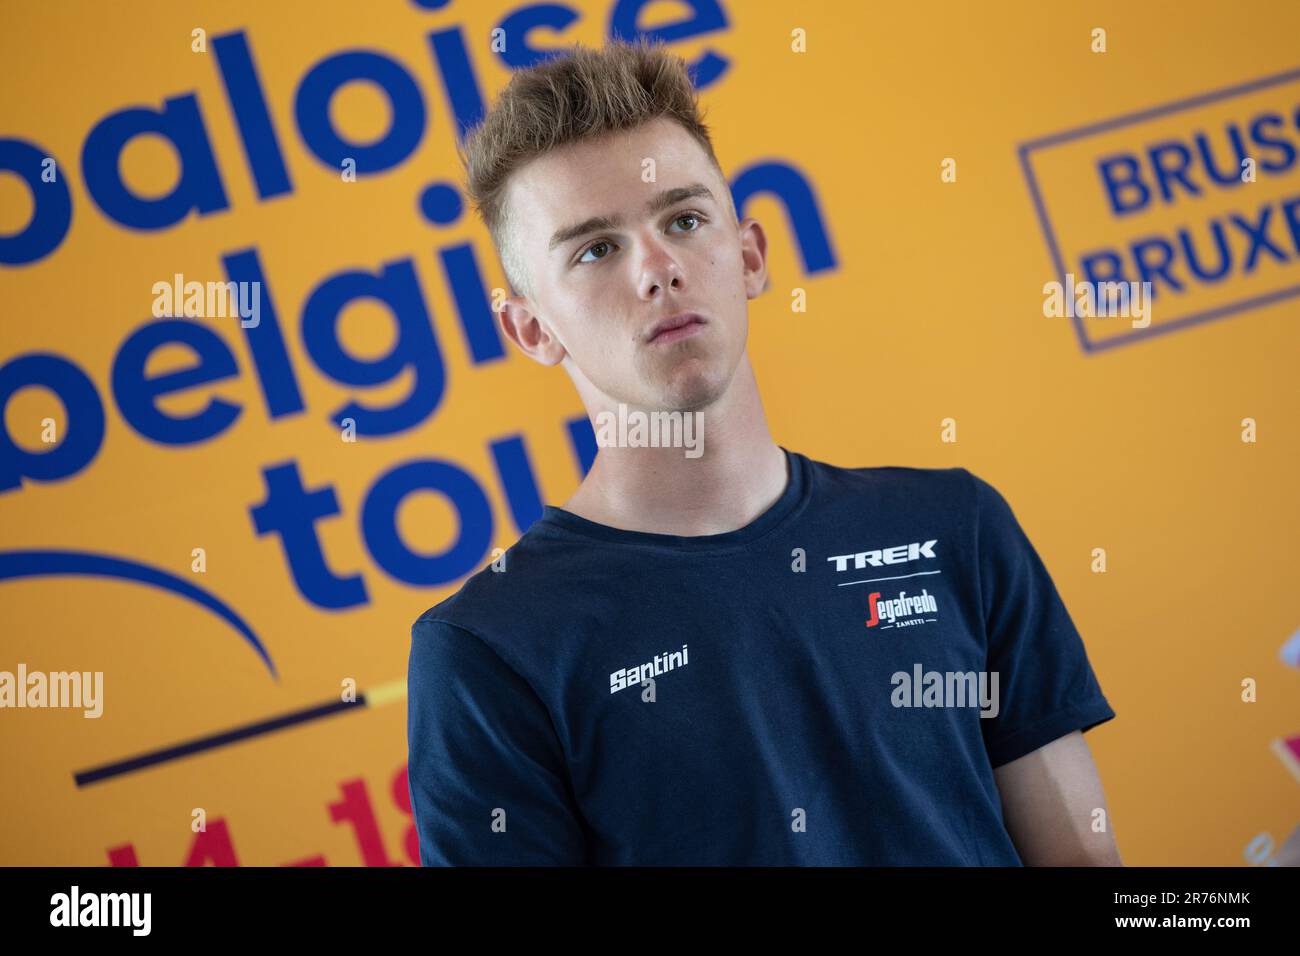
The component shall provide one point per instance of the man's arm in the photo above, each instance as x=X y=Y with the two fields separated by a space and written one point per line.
x=489 y=783
x=1049 y=802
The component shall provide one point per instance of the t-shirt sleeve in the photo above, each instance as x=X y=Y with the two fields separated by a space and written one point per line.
x=1047 y=687
x=489 y=782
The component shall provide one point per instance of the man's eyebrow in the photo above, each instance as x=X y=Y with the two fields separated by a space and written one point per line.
x=658 y=203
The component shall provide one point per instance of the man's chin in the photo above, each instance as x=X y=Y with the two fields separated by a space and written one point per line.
x=692 y=390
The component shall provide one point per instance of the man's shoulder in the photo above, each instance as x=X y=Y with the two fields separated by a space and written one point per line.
x=956 y=496
x=525 y=579
x=904 y=483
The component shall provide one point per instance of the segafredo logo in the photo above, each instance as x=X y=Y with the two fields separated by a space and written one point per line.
x=902 y=611
x=897 y=555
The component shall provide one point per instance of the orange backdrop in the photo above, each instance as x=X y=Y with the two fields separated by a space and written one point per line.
x=924 y=302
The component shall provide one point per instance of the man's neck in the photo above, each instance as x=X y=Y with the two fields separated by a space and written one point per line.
x=740 y=474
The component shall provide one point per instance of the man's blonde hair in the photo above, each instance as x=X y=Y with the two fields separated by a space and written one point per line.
x=577 y=96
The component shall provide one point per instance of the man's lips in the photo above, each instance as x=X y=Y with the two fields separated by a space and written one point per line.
x=675 y=327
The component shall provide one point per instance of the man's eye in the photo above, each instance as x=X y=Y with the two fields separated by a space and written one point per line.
x=592 y=248
x=688 y=215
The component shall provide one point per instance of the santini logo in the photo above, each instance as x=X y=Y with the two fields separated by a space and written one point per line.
x=630 y=676
x=902 y=611
x=102 y=909
x=899 y=555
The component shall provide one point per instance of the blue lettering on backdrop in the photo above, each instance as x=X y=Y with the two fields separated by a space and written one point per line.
x=379 y=522
x=1172 y=170
x=289 y=510
x=137 y=395
x=83 y=431
x=415 y=349
x=51 y=205
x=252 y=116
x=795 y=192
x=198 y=188
x=312 y=108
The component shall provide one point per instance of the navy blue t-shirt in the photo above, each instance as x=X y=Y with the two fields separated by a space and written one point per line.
x=805 y=690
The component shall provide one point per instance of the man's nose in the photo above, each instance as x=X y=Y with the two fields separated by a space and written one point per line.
x=660 y=270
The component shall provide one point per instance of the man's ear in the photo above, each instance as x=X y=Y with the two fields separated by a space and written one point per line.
x=533 y=336
x=753 y=254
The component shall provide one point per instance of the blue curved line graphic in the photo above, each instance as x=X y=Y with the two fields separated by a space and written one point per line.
x=34 y=564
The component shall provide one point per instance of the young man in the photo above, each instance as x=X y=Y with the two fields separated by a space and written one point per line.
x=743 y=656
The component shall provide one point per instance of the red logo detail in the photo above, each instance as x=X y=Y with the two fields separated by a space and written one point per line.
x=871 y=603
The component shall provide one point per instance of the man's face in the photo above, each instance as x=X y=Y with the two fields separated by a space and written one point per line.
x=601 y=289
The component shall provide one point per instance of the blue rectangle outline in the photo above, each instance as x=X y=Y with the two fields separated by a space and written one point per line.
x=1081 y=132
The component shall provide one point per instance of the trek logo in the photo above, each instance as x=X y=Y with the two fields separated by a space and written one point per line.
x=899 y=555
x=901 y=611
